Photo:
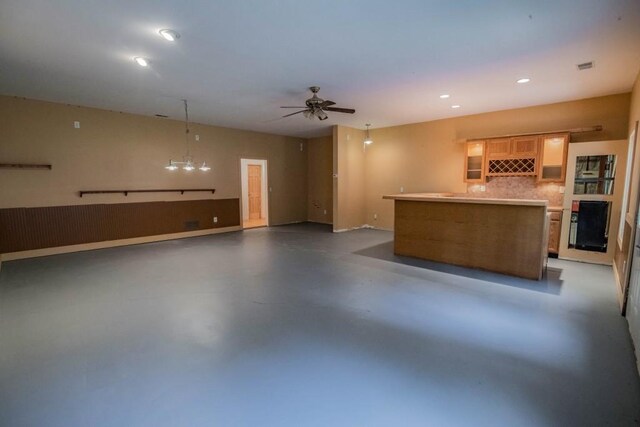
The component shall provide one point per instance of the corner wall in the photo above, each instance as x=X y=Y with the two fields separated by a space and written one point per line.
x=349 y=209
x=320 y=180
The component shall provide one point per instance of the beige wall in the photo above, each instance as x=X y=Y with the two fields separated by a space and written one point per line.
x=634 y=116
x=114 y=150
x=349 y=209
x=425 y=157
x=320 y=180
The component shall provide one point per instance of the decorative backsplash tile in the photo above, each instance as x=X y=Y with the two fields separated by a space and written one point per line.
x=518 y=187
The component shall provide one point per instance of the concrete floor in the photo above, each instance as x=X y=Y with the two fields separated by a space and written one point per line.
x=296 y=326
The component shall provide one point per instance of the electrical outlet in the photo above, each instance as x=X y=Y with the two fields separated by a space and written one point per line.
x=76 y=125
x=325 y=211
x=270 y=189
x=301 y=147
x=197 y=137
x=483 y=188
x=375 y=216
x=561 y=189
x=402 y=189
x=215 y=219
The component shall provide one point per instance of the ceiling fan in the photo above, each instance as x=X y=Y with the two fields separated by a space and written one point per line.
x=317 y=107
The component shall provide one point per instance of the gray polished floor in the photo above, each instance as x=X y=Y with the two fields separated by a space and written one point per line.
x=296 y=326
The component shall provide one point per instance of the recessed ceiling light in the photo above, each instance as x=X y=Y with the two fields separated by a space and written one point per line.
x=523 y=80
x=444 y=96
x=169 y=35
x=455 y=106
x=143 y=62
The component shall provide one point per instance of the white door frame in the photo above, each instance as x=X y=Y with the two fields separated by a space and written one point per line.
x=265 y=186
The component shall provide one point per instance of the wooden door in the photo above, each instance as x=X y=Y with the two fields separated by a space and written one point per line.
x=255 y=191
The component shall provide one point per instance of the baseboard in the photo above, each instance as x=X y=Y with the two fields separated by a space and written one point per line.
x=618 y=286
x=610 y=264
x=361 y=227
x=112 y=243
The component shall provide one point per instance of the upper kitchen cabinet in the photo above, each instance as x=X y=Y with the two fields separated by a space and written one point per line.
x=511 y=156
x=474 y=162
x=553 y=158
x=519 y=147
x=498 y=147
x=524 y=146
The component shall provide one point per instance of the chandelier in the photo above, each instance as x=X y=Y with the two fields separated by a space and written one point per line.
x=188 y=163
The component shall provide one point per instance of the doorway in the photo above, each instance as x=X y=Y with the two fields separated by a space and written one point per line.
x=255 y=206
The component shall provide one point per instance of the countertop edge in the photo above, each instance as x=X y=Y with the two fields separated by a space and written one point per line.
x=418 y=197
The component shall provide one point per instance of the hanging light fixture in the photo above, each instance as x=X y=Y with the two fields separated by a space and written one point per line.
x=187 y=163
x=367 y=139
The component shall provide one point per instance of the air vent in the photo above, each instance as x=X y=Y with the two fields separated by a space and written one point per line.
x=162 y=116
x=585 y=66
x=191 y=225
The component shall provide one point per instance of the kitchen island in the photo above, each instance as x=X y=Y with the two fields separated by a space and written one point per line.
x=507 y=236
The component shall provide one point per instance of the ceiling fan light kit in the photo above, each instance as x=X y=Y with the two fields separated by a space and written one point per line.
x=317 y=107
x=188 y=163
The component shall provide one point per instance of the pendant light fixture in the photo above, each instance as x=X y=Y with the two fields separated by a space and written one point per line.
x=187 y=163
x=367 y=139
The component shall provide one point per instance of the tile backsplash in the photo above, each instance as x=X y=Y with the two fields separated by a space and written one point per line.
x=518 y=187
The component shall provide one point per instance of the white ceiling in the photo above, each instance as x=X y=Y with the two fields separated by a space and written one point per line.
x=238 y=61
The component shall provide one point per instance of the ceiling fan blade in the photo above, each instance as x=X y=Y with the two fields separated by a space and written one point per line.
x=341 y=110
x=293 y=107
x=327 y=103
x=297 y=112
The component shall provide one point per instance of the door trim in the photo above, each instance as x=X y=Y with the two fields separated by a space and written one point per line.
x=265 y=173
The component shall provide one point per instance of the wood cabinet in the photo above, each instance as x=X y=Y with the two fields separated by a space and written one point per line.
x=552 y=166
x=498 y=147
x=526 y=146
x=474 y=162
x=555 y=225
x=543 y=156
x=511 y=156
x=519 y=147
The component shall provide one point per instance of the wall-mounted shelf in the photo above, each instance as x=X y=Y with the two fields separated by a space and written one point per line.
x=23 y=166
x=126 y=192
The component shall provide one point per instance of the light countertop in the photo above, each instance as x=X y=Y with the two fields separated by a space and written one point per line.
x=450 y=198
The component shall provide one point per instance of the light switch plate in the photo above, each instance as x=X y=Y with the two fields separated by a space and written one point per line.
x=561 y=189
x=76 y=124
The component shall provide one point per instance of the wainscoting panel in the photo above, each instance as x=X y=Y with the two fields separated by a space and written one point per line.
x=24 y=229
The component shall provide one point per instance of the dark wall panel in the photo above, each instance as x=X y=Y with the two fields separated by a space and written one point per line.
x=24 y=229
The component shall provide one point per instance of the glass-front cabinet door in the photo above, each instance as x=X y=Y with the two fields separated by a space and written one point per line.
x=553 y=158
x=474 y=162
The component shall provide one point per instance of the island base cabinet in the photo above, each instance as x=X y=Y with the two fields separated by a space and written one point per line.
x=504 y=238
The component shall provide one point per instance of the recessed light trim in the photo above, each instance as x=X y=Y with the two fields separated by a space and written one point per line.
x=445 y=96
x=143 y=62
x=455 y=106
x=169 y=35
x=523 y=80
